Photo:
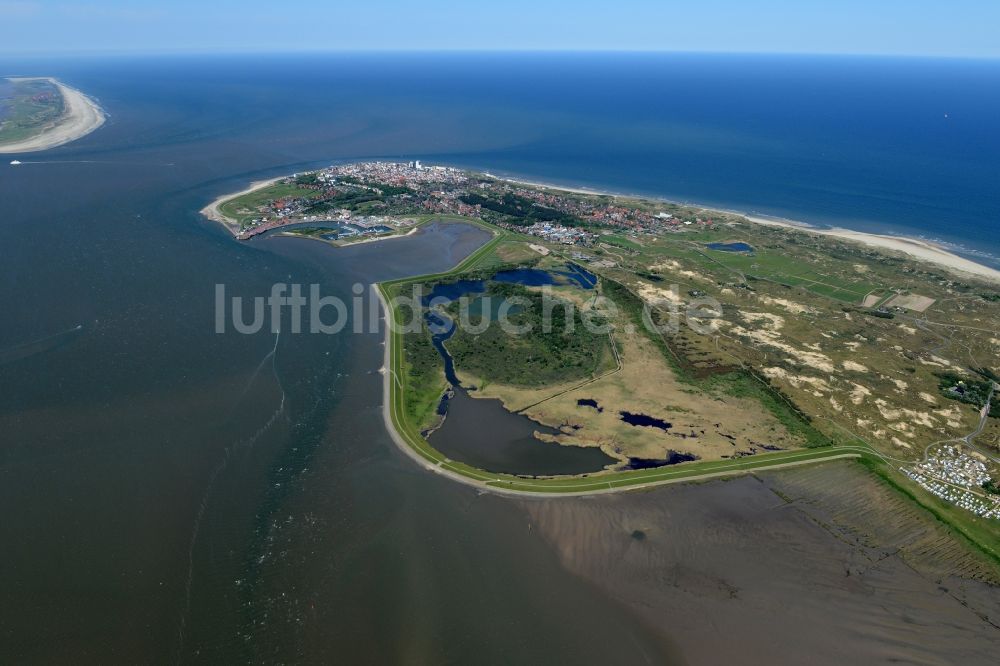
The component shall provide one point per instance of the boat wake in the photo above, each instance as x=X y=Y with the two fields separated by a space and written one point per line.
x=39 y=346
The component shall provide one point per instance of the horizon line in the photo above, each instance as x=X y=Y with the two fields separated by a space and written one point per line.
x=21 y=54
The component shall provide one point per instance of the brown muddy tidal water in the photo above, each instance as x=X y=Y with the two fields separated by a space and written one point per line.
x=819 y=565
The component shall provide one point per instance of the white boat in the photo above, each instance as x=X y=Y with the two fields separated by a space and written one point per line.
x=15 y=162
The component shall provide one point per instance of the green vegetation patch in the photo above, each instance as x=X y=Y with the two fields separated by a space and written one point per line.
x=780 y=263
x=519 y=210
x=969 y=391
x=351 y=200
x=620 y=241
x=246 y=207
x=544 y=355
x=423 y=376
x=418 y=370
x=27 y=108
x=794 y=272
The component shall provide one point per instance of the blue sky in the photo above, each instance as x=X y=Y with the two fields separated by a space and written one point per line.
x=965 y=28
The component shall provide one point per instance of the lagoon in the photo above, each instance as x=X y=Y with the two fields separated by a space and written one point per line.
x=482 y=432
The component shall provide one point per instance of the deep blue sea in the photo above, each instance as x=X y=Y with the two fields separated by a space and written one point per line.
x=899 y=145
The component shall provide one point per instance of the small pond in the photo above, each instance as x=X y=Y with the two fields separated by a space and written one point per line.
x=730 y=247
x=673 y=458
x=644 y=421
x=573 y=274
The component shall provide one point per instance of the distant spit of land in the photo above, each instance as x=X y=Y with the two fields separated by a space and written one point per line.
x=80 y=115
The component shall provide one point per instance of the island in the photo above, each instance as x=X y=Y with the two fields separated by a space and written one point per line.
x=41 y=113
x=687 y=343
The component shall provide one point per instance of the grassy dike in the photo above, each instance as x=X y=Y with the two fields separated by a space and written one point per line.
x=977 y=532
x=407 y=435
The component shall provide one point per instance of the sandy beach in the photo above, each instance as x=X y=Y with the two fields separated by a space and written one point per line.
x=82 y=116
x=915 y=248
x=212 y=212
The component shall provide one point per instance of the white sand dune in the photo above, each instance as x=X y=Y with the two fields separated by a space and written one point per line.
x=82 y=116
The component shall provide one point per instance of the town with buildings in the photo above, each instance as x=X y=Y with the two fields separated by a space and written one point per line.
x=374 y=195
x=959 y=478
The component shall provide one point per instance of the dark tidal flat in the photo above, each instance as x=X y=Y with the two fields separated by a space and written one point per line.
x=819 y=565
